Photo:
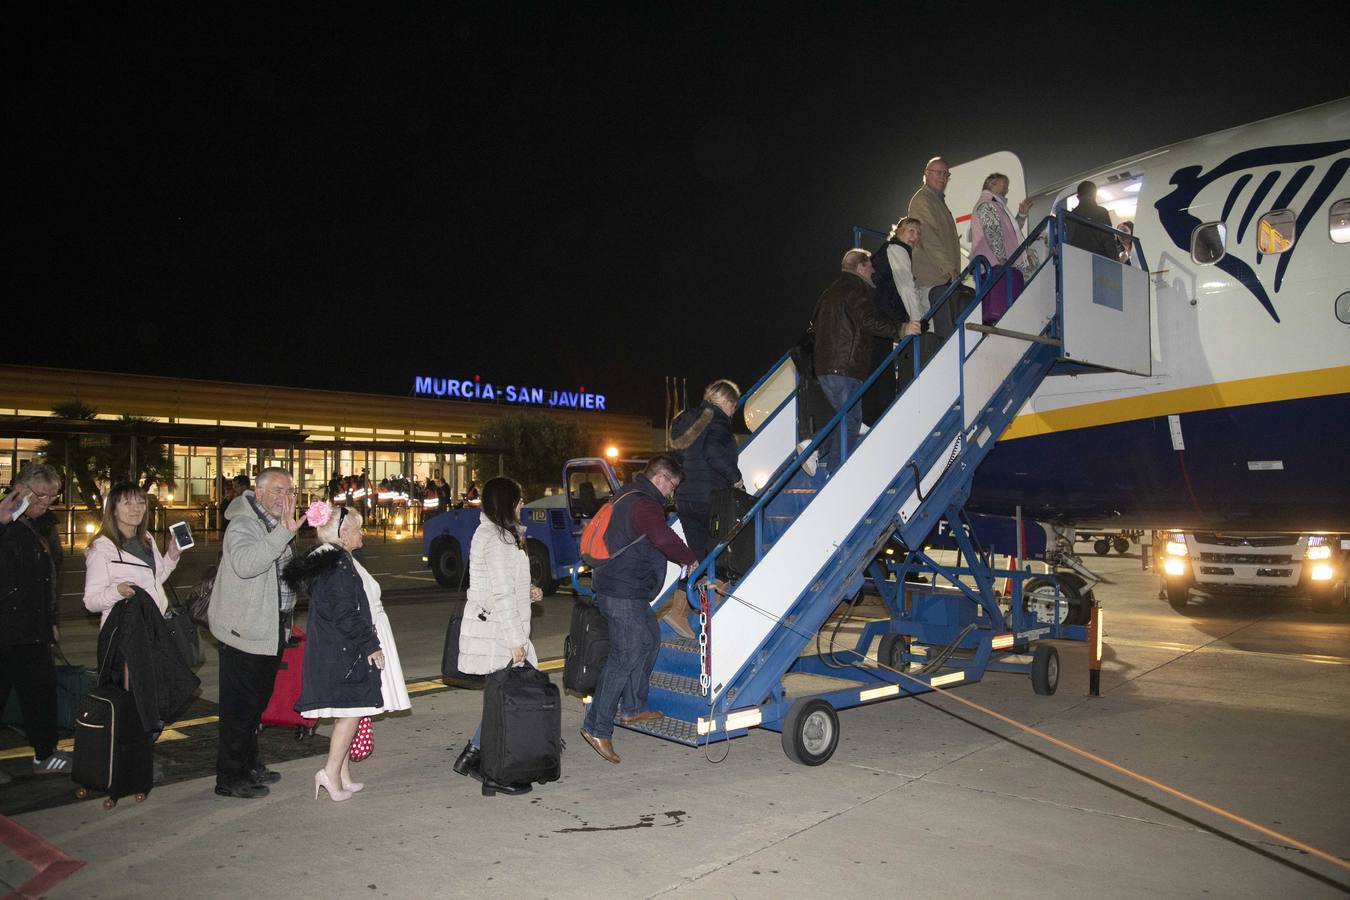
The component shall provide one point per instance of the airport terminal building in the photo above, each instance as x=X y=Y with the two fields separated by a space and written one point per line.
x=214 y=428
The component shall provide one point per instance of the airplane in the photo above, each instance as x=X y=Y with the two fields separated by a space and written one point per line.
x=1243 y=423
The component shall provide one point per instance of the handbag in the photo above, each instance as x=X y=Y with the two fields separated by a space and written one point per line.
x=199 y=601
x=72 y=684
x=183 y=630
x=363 y=742
x=450 y=656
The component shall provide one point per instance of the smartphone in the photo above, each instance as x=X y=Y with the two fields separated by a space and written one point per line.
x=23 y=505
x=182 y=534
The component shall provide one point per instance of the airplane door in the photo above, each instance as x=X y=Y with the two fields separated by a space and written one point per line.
x=967 y=182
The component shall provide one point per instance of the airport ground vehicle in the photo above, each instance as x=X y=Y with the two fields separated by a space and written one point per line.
x=1311 y=566
x=552 y=525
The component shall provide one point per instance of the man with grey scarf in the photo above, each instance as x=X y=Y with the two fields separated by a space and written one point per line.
x=250 y=615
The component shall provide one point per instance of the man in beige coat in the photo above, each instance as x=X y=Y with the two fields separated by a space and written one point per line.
x=937 y=260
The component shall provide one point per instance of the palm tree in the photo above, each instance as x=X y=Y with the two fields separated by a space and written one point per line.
x=94 y=463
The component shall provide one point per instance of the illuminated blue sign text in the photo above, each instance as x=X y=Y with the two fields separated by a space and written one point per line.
x=475 y=389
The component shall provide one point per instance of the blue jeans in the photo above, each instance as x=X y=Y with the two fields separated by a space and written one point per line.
x=838 y=388
x=634 y=642
x=477 y=739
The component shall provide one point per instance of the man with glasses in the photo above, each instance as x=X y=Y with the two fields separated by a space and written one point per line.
x=937 y=260
x=640 y=542
x=250 y=614
x=30 y=560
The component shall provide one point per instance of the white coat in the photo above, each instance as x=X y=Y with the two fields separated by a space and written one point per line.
x=106 y=566
x=497 y=614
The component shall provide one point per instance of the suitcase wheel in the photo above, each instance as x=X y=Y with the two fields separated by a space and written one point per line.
x=305 y=731
x=81 y=794
x=109 y=803
x=140 y=798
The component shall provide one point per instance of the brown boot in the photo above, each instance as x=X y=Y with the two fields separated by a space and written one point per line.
x=677 y=614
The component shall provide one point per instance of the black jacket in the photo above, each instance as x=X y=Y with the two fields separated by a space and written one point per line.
x=1093 y=240
x=135 y=636
x=703 y=436
x=30 y=560
x=883 y=282
x=337 y=673
x=845 y=320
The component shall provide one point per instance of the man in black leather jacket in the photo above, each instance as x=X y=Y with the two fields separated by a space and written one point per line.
x=30 y=559
x=845 y=320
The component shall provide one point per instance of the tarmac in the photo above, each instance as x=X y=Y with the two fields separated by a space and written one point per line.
x=1242 y=703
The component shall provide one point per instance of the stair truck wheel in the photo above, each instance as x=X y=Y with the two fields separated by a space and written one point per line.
x=541 y=573
x=1045 y=669
x=81 y=793
x=1101 y=546
x=447 y=562
x=891 y=651
x=1122 y=545
x=810 y=731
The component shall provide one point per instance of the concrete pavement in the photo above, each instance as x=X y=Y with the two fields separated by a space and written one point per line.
x=1243 y=704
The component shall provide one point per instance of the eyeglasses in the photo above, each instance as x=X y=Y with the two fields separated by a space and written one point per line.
x=45 y=498
x=941 y=173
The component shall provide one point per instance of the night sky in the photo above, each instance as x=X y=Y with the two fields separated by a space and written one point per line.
x=553 y=196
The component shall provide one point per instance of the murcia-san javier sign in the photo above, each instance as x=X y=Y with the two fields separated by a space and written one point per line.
x=476 y=389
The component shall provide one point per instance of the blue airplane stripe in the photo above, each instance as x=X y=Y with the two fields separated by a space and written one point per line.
x=1286 y=197
x=1257 y=199
x=1311 y=208
x=1233 y=195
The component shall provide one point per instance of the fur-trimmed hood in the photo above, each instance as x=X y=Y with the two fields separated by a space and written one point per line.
x=301 y=571
x=687 y=426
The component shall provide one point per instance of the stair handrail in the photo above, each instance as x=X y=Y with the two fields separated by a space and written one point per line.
x=978 y=268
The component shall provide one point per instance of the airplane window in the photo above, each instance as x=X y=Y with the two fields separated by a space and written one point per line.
x=1343 y=307
x=1340 y=221
x=1275 y=231
x=1208 y=242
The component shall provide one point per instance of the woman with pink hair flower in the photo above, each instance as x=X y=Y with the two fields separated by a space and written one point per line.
x=351 y=662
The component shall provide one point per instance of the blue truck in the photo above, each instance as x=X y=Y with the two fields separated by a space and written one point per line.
x=552 y=525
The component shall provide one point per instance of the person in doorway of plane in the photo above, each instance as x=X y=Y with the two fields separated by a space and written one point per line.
x=1087 y=237
x=1125 y=245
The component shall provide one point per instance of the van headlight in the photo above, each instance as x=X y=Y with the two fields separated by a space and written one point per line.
x=1322 y=572
x=1322 y=552
x=1177 y=548
x=1174 y=566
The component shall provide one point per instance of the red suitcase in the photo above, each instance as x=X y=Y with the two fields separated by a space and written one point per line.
x=286 y=690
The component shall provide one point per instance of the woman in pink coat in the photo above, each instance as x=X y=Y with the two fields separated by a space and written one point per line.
x=123 y=555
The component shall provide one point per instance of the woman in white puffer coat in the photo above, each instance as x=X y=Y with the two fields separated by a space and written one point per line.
x=495 y=632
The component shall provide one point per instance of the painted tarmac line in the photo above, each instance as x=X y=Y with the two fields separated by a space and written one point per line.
x=413 y=577
x=51 y=864
x=1178 y=647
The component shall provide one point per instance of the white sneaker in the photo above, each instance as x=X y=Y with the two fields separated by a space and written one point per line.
x=57 y=764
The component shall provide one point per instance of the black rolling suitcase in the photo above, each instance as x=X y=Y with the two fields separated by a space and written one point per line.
x=113 y=752
x=522 y=726
x=585 y=648
x=728 y=506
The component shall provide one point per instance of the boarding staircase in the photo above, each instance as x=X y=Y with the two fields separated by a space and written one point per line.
x=817 y=536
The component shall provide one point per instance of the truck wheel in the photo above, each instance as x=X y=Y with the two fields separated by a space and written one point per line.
x=1328 y=599
x=1045 y=670
x=1101 y=546
x=891 y=651
x=541 y=573
x=1038 y=598
x=447 y=563
x=1122 y=545
x=1178 y=593
x=810 y=731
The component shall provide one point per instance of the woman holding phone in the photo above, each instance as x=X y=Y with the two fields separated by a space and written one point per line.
x=123 y=556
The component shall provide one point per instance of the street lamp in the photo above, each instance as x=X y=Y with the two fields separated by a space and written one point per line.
x=612 y=452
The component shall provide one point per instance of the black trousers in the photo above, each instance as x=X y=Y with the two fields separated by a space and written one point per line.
x=29 y=670
x=697 y=521
x=246 y=681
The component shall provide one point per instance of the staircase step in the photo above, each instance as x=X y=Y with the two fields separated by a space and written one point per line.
x=676 y=684
x=801 y=490
x=679 y=644
x=677 y=730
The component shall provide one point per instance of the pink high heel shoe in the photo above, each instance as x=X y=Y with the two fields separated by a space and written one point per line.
x=321 y=781
x=355 y=787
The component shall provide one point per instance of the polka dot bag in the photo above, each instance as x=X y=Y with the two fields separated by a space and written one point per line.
x=363 y=744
